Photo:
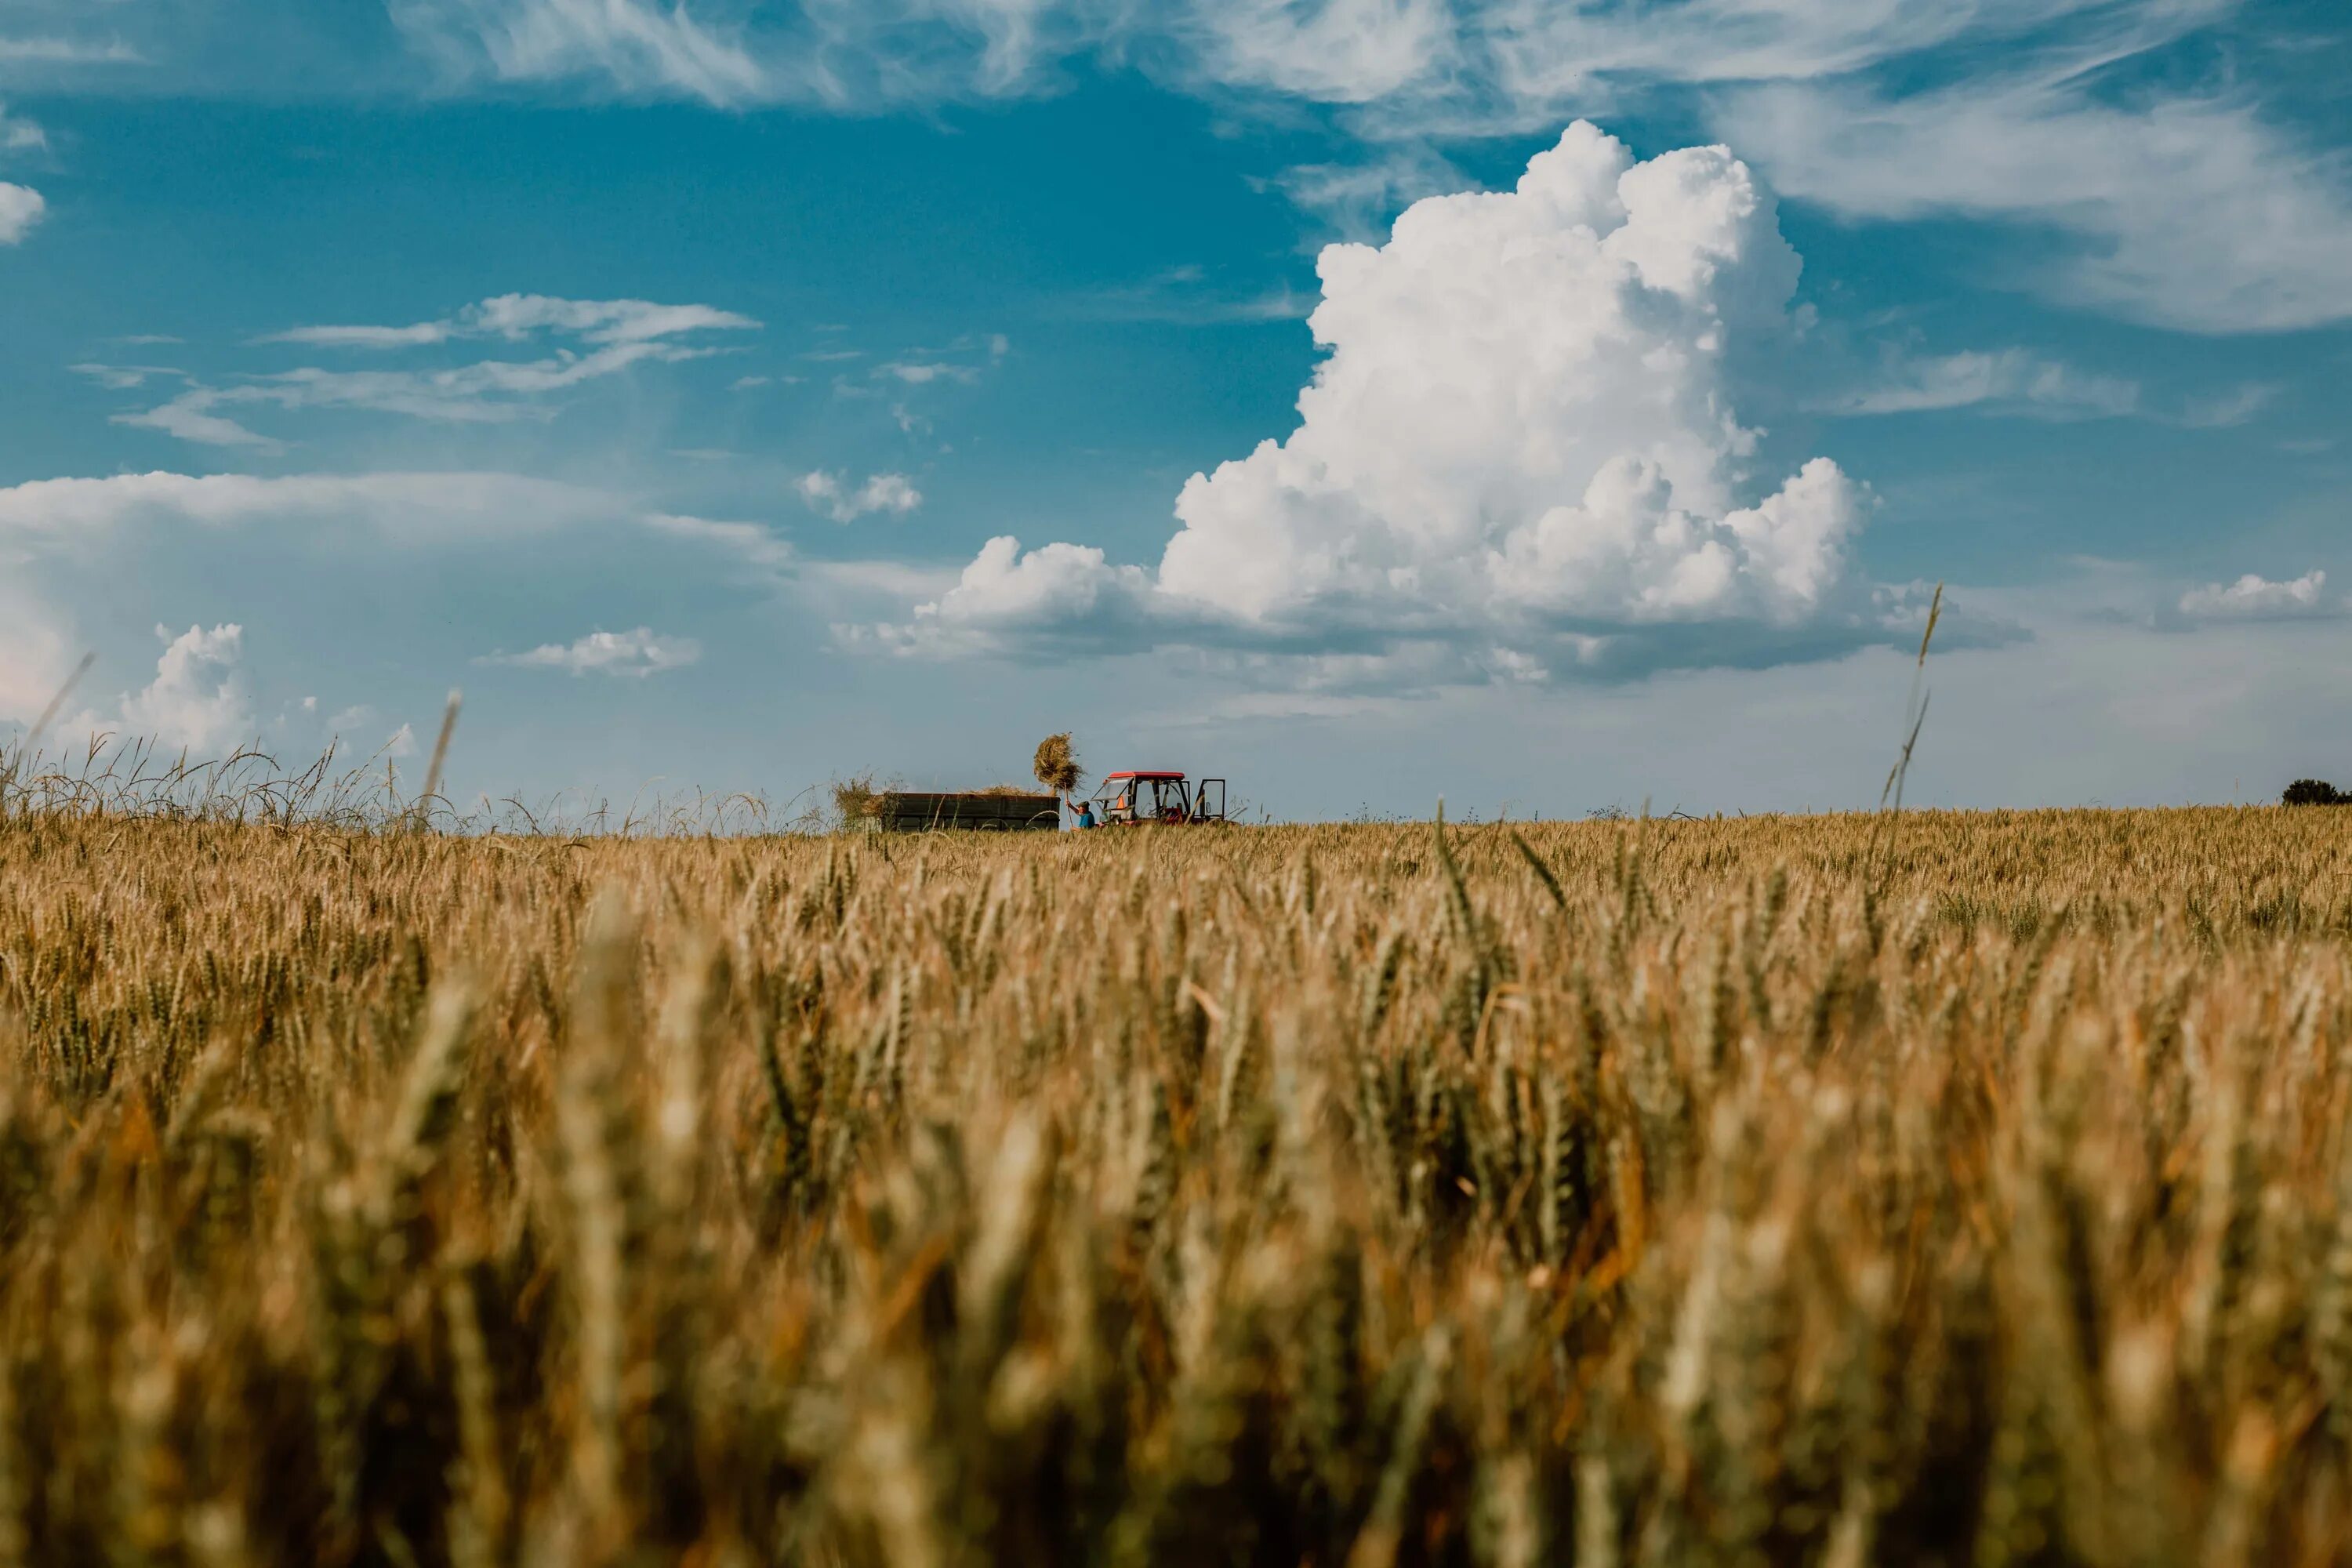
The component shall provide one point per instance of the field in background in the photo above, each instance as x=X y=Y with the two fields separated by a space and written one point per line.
x=1735 y=1192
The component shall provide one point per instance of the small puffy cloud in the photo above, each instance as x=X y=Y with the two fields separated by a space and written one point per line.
x=1521 y=443
x=2256 y=598
x=840 y=498
x=637 y=653
x=197 y=704
x=922 y=373
x=1060 y=590
x=20 y=135
x=361 y=721
x=21 y=207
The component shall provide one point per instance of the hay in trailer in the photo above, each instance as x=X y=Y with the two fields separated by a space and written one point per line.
x=1057 y=763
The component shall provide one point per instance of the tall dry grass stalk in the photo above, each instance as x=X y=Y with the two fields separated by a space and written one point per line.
x=1714 y=1192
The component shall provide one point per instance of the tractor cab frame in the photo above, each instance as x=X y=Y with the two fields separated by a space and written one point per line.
x=1140 y=795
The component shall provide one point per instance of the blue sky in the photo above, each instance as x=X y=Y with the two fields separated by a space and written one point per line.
x=674 y=379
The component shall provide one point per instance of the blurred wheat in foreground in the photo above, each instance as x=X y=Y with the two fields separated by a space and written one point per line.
x=1690 y=1192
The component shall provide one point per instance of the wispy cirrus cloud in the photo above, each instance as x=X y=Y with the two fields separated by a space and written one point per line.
x=90 y=517
x=2006 y=381
x=606 y=338
x=1465 y=60
x=515 y=317
x=2189 y=212
x=634 y=46
x=747 y=543
x=69 y=514
x=1357 y=200
x=2177 y=201
x=51 y=50
x=1187 y=296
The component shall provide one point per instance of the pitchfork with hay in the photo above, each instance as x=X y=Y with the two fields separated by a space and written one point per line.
x=1056 y=764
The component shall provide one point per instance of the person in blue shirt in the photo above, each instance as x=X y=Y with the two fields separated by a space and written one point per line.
x=1085 y=814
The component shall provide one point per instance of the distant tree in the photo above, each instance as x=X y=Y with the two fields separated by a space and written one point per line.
x=2314 y=792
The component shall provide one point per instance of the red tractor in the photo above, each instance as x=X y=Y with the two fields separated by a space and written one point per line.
x=1157 y=794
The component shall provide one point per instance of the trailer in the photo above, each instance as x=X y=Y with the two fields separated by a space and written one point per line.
x=903 y=811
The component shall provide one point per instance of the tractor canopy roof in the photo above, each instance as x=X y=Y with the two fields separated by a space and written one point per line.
x=1144 y=773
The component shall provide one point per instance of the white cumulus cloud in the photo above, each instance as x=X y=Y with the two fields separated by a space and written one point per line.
x=2257 y=598
x=1522 y=439
x=639 y=653
x=843 y=501
x=197 y=704
x=34 y=653
x=21 y=207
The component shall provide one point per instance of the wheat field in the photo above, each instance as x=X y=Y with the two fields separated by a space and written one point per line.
x=1971 y=1189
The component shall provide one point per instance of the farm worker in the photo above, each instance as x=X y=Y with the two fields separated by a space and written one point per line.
x=1086 y=814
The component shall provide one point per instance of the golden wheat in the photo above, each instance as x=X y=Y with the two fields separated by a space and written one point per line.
x=1724 y=1192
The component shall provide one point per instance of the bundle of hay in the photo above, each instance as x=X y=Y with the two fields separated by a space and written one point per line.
x=1057 y=763
x=856 y=797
